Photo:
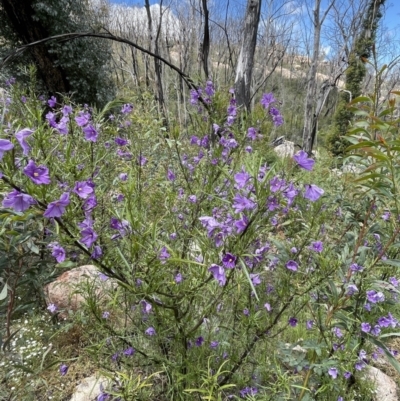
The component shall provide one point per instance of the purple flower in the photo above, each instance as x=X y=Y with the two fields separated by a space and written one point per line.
x=63 y=370
x=150 y=331
x=66 y=110
x=365 y=327
x=90 y=133
x=57 y=208
x=241 y=224
x=97 y=252
x=199 y=341
x=376 y=330
x=21 y=136
x=5 y=146
x=178 y=278
x=242 y=203
x=219 y=274
x=192 y=198
x=120 y=141
x=293 y=321
x=142 y=160
x=267 y=306
x=123 y=176
x=360 y=365
x=255 y=279
x=146 y=307
x=105 y=315
x=375 y=297
x=292 y=265
x=103 y=277
x=126 y=108
x=313 y=193
x=267 y=99
x=277 y=184
x=333 y=372
x=164 y=255
x=303 y=161
x=248 y=391
x=351 y=289
x=317 y=246
x=88 y=237
x=170 y=175
x=90 y=203
x=209 y=89
x=355 y=267
x=309 y=324
x=18 y=201
x=347 y=375
x=51 y=119
x=277 y=118
x=214 y=344
x=229 y=260
x=38 y=174
x=337 y=332
x=62 y=126
x=210 y=224
x=82 y=119
x=386 y=216
x=83 y=189
x=241 y=179
x=252 y=133
x=52 y=308
x=58 y=252
x=52 y=102
x=129 y=351
x=394 y=281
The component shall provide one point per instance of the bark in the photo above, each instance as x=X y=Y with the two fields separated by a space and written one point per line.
x=206 y=39
x=20 y=14
x=310 y=115
x=245 y=63
x=154 y=47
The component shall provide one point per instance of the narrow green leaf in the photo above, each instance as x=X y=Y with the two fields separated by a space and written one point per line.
x=391 y=262
x=248 y=278
x=381 y=345
x=3 y=293
x=360 y=99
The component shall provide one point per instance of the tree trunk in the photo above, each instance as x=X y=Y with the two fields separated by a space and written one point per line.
x=206 y=39
x=157 y=63
x=20 y=14
x=310 y=115
x=244 y=67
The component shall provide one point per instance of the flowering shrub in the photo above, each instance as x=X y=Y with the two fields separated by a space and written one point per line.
x=222 y=260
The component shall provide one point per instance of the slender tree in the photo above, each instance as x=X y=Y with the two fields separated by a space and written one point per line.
x=310 y=116
x=245 y=62
x=355 y=74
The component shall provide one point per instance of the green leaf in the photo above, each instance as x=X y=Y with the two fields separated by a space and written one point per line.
x=381 y=345
x=386 y=335
x=67 y=264
x=391 y=262
x=249 y=279
x=3 y=293
x=360 y=99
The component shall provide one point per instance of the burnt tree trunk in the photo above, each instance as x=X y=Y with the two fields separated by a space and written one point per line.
x=28 y=30
x=206 y=39
x=245 y=63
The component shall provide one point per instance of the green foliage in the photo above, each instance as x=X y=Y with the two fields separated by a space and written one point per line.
x=85 y=62
x=355 y=74
x=285 y=318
